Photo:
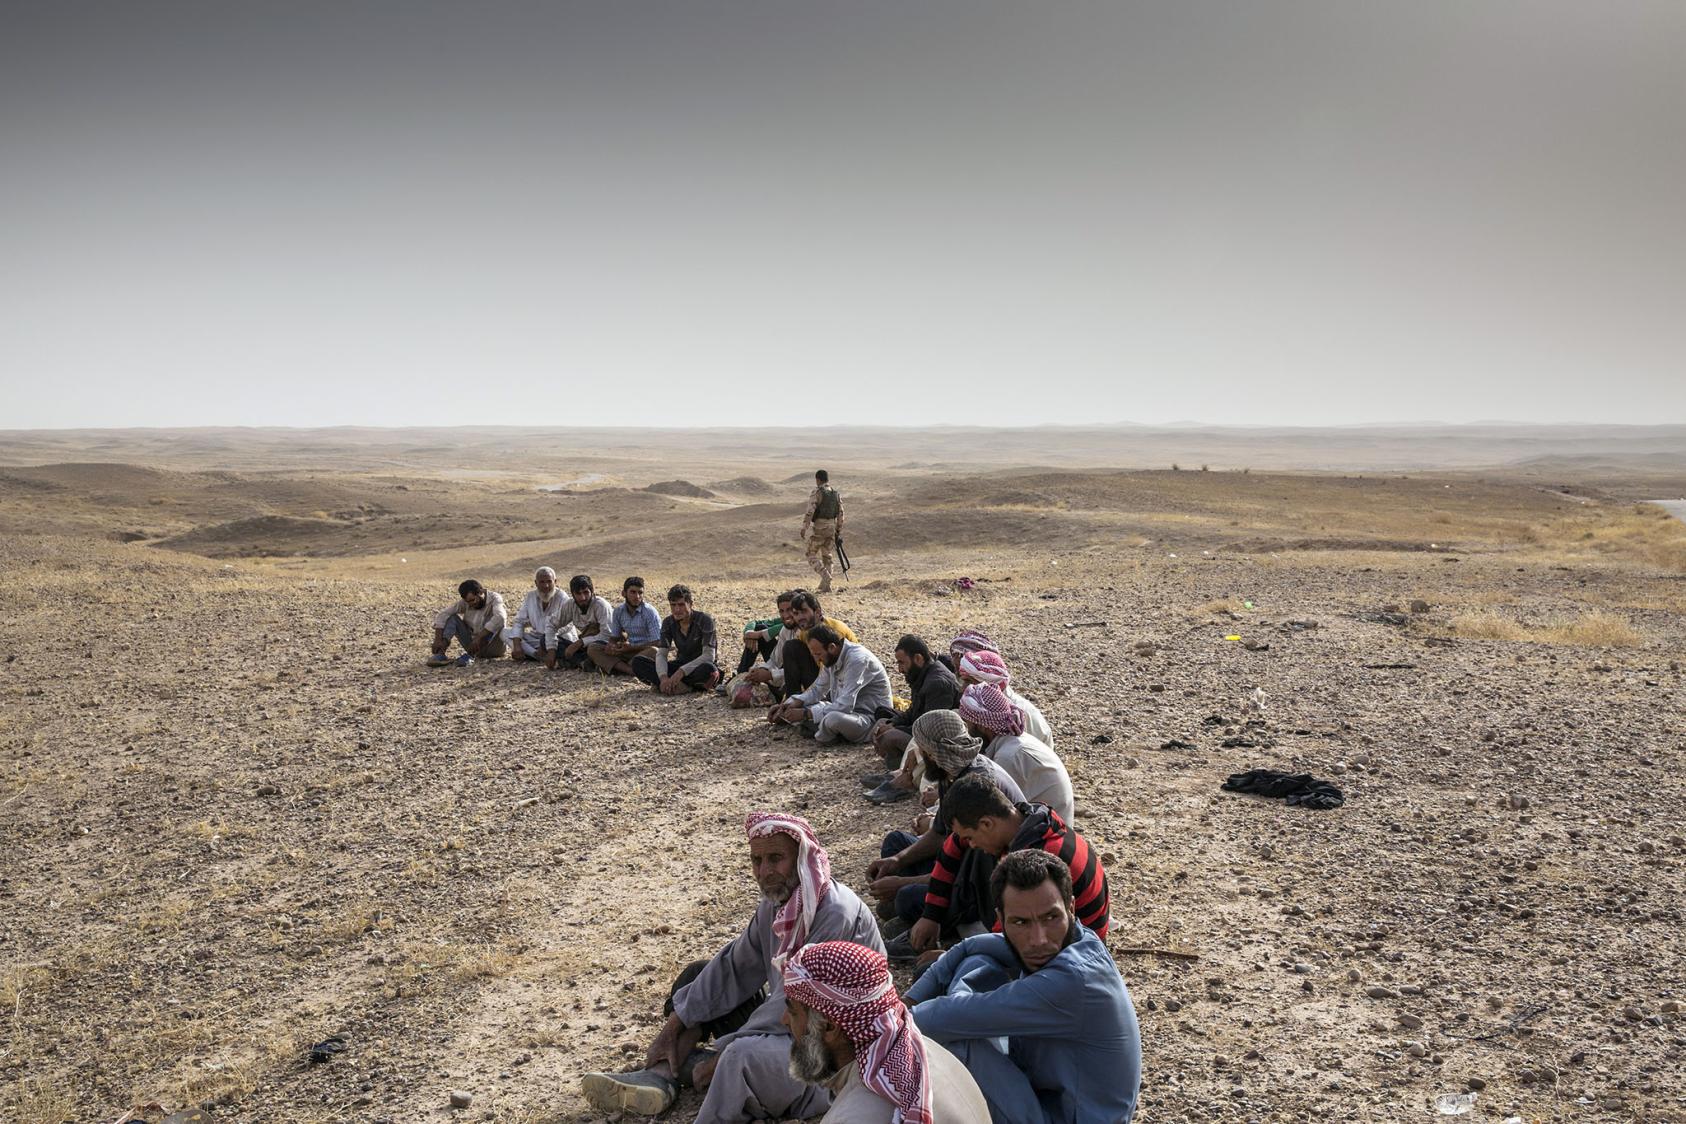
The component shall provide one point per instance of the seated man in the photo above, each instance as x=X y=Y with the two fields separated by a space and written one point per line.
x=586 y=619
x=841 y=702
x=851 y=1033
x=475 y=621
x=738 y=996
x=977 y=660
x=761 y=638
x=536 y=621
x=634 y=629
x=769 y=677
x=685 y=653
x=989 y=667
x=900 y=875
x=966 y=642
x=932 y=686
x=800 y=670
x=983 y=826
x=1041 y=774
x=1049 y=987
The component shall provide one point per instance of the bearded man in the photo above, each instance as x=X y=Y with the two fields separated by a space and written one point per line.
x=475 y=620
x=852 y=1034
x=986 y=666
x=536 y=622
x=976 y=662
x=585 y=618
x=737 y=998
x=838 y=706
x=1041 y=775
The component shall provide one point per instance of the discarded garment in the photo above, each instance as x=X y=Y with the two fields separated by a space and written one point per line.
x=1297 y=788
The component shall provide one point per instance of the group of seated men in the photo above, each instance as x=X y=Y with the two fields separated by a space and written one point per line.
x=1018 y=1014
x=798 y=1016
x=675 y=654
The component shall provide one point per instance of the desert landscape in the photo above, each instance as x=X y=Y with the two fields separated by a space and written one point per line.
x=239 y=816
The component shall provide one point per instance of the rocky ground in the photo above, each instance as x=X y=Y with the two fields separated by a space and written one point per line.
x=238 y=816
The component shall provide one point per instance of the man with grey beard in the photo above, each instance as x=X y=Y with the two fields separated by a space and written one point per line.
x=737 y=998
x=852 y=1034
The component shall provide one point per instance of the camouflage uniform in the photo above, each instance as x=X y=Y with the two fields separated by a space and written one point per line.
x=821 y=532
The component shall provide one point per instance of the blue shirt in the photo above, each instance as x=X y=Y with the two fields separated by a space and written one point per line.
x=641 y=627
x=1070 y=1025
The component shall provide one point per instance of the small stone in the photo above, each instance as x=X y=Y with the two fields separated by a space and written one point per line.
x=1417 y=1050
x=1527 y=1076
x=1476 y=1084
x=1352 y=975
x=1633 y=1014
x=1379 y=992
x=1173 y=1005
x=1671 y=1007
x=461 y=1098
x=268 y=790
x=1410 y=1021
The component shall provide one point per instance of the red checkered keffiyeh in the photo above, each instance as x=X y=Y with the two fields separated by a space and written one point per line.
x=988 y=706
x=850 y=984
x=796 y=916
x=969 y=641
x=985 y=667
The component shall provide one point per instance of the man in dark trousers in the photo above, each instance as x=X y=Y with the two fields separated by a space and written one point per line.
x=931 y=686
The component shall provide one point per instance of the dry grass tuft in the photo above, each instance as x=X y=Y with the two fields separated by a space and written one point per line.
x=1487 y=626
x=491 y=964
x=19 y=983
x=1595 y=630
x=39 y=1103
x=1229 y=605
x=356 y=920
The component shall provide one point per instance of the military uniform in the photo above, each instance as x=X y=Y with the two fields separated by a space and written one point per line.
x=821 y=524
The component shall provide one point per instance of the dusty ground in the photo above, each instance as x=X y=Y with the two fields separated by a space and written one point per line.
x=237 y=815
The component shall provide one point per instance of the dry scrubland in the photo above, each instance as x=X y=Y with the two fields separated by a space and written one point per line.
x=237 y=815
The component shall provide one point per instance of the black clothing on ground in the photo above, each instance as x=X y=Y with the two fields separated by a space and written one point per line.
x=1302 y=789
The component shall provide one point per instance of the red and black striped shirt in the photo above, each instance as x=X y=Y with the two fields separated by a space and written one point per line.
x=1042 y=828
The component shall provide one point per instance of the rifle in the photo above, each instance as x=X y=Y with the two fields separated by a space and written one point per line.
x=842 y=555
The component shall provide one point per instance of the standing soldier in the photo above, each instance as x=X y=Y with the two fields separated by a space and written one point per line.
x=821 y=524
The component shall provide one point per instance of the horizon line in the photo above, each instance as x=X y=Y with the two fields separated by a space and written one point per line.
x=1184 y=426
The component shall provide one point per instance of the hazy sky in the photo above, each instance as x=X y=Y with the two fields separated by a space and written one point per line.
x=301 y=213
